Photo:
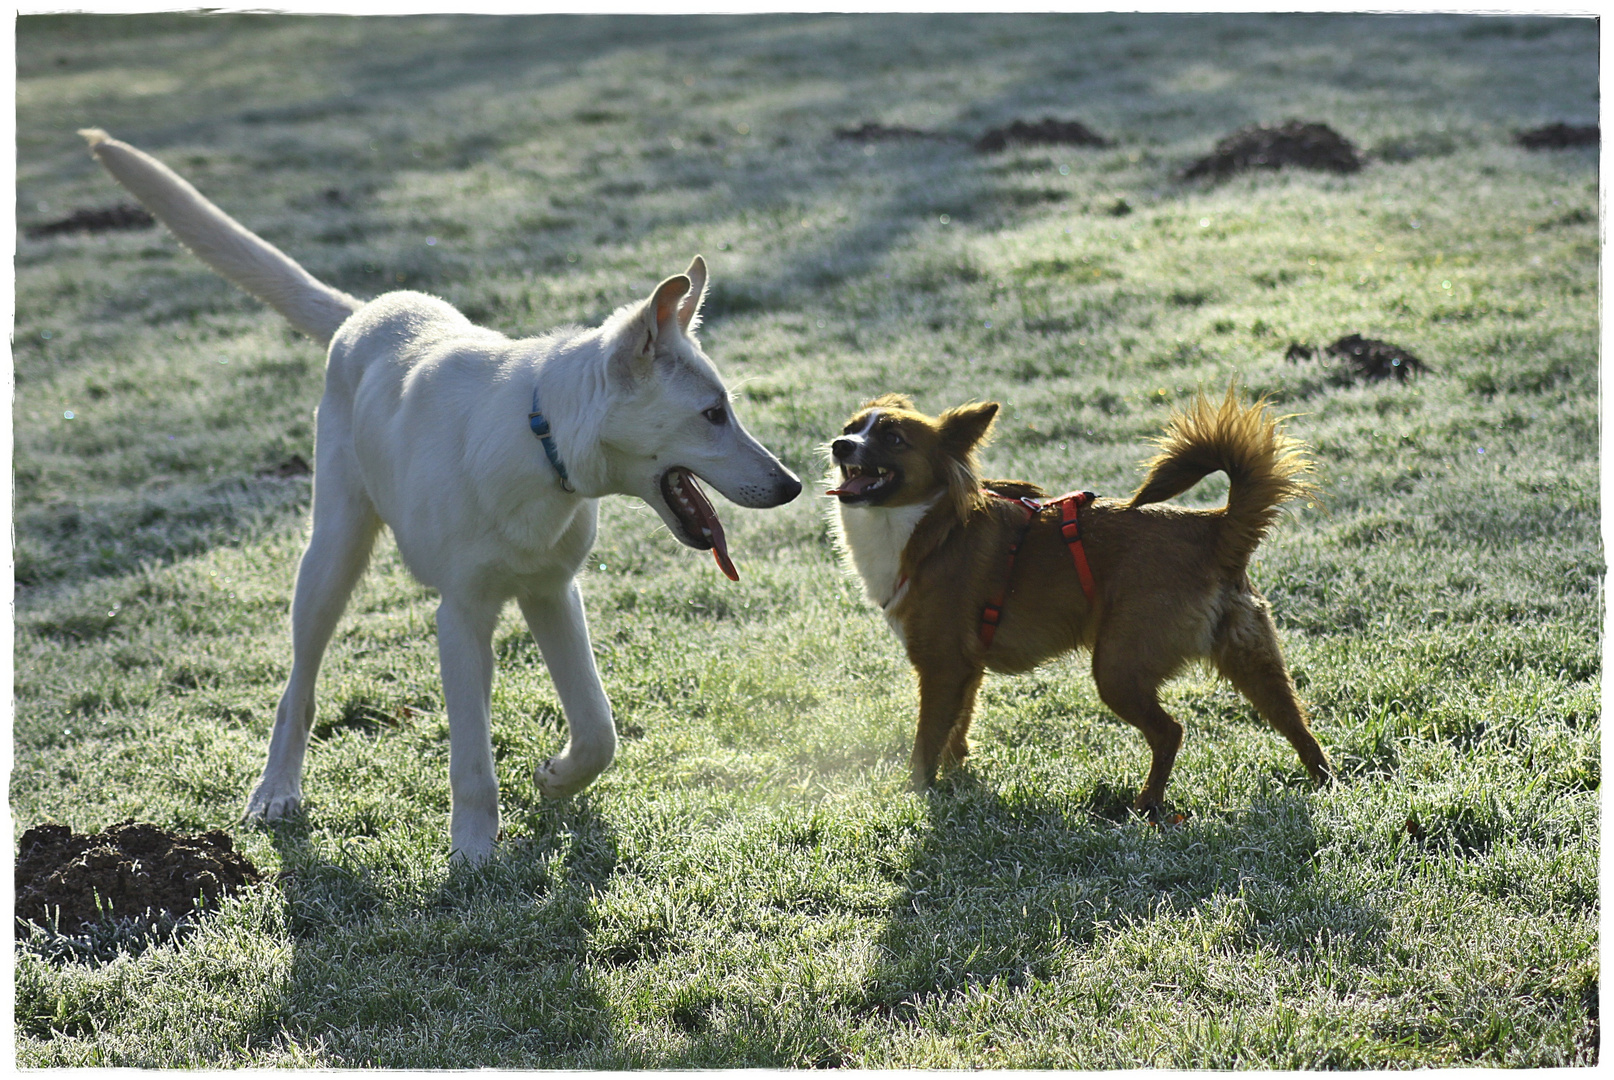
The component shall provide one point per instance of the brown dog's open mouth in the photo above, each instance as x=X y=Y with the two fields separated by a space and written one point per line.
x=859 y=483
x=694 y=512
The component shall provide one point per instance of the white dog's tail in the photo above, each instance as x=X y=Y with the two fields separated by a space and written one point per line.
x=252 y=263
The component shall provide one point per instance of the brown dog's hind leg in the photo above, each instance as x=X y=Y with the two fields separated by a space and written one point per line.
x=946 y=700
x=1248 y=656
x=1133 y=694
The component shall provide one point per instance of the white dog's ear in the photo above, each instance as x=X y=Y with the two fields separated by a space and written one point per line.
x=665 y=302
x=656 y=318
x=689 y=311
x=664 y=305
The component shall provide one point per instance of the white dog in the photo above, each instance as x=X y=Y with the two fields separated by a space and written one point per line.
x=485 y=457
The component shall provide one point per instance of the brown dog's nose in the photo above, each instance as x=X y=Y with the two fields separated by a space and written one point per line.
x=842 y=448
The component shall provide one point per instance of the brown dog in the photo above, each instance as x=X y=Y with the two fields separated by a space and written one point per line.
x=972 y=575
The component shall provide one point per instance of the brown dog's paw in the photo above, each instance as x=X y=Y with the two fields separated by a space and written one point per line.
x=1147 y=804
x=1156 y=813
x=1160 y=817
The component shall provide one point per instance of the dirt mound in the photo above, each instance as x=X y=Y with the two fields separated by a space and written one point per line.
x=1366 y=358
x=1558 y=136
x=1048 y=131
x=1263 y=146
x=135 y=871
x=296 y=465
x=870 y=132
x=122 y=216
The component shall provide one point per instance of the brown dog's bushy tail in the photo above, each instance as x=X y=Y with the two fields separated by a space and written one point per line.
x=1265 y=468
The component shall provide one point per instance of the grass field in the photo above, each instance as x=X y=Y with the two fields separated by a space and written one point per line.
x=751 y=884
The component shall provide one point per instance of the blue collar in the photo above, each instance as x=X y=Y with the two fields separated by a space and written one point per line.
x=540 y=428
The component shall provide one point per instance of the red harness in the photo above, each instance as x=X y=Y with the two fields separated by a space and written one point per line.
x=1070 y=527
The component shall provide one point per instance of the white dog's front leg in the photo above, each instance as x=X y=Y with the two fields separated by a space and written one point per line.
x=465 y=651
x=561 y=630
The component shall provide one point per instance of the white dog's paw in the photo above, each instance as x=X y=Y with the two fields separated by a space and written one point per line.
x=472 y=851
x=558 y=778
x=266 y=805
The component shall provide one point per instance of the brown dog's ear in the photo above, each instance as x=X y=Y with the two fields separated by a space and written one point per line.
x=966 y=427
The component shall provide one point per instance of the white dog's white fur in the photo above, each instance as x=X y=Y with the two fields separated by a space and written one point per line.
x=424 y=428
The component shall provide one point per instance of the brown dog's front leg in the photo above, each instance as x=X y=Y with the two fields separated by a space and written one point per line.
x=946 y=700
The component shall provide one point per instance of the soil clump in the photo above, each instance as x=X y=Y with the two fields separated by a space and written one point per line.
x=130 y=871
x=870 y=132
x=1049 y=131
x=121 y=216
x=1558 y=136
x=1365 y=358
x=1263 y=146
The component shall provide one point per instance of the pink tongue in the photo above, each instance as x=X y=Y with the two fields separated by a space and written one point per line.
x=720 y=552
x=855 y=485
x=708 y=519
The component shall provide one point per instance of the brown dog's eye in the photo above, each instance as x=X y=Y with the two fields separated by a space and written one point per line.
x=892 y=437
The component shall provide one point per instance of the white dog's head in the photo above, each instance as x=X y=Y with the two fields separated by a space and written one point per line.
x=672 y=420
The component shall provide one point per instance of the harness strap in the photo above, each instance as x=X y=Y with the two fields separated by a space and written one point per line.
x=901 y=581
x=994 y=607
x=1070 y=528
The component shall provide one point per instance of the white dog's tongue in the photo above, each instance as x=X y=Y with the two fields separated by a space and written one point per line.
x=710 y=526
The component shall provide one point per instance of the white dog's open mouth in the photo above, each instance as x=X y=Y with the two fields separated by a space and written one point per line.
x=859 y=483
x=695 y=514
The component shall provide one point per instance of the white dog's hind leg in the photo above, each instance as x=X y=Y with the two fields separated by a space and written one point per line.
x=345 y=527
x=561 y=630
x=465 y=650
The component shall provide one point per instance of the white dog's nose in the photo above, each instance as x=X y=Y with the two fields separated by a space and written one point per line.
x=789 y=487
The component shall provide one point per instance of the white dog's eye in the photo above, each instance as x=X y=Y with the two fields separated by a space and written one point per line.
x=717 y=414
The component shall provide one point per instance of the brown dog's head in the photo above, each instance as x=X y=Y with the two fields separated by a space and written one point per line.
x=891 y=455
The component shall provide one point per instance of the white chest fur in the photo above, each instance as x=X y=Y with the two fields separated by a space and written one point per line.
x=871 y=540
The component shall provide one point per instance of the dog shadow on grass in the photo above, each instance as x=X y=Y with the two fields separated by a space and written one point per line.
x=399 y=965
x=1011 y=888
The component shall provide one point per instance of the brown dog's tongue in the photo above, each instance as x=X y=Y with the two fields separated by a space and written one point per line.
x=708 y=518
x=855 y=485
